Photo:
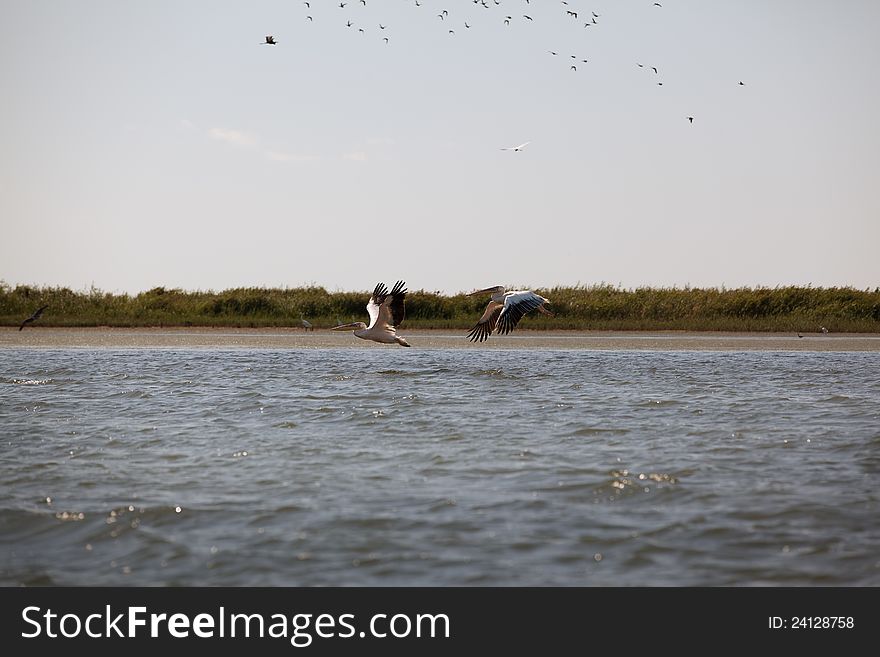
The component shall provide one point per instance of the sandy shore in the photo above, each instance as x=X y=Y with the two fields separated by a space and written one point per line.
x=280 y=338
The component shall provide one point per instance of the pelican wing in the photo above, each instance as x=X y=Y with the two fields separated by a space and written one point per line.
x=376 y=300
x=483 y=328
x=516 y=305
x=395 y=306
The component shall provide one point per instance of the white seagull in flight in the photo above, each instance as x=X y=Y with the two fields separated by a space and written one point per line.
x=517 y=148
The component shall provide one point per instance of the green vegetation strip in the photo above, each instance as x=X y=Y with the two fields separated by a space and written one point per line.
x=805 y=309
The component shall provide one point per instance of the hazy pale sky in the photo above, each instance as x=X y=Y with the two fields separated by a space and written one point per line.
x=159 y=143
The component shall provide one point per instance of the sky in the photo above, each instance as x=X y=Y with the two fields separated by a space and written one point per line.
x=162 y=143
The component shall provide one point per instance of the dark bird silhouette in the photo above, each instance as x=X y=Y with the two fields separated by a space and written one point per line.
x=33 y=317
x=691 y=119
x=528 y=17
x=654 y=68
x=741 y=83
x=799 y=335
x=386 y=40
x=657 y=4
x=573 y=67
x=270 y=40
x=309 y=17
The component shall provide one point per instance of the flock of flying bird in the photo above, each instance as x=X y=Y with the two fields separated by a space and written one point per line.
x=591 y=21
x=386 y=309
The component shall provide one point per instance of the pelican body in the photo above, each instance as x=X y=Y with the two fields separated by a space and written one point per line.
x=504 y=311
x=386 y=314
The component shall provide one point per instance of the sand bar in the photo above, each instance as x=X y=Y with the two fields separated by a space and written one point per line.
x=295 y=338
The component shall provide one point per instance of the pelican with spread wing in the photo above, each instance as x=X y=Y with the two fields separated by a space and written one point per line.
x=504 y=311
x=386 y=314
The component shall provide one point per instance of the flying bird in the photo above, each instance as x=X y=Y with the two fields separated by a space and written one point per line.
x=504 y=311
x=386 y=314
x=691 y=119
x=33 y=317
x=517 y=148
x=270 y=40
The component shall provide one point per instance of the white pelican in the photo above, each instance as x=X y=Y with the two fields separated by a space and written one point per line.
x=33 y=317
x=386 y=314
x=516 y=148
x=504 y=311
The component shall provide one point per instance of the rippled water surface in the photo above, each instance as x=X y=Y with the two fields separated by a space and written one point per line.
x=438 y=467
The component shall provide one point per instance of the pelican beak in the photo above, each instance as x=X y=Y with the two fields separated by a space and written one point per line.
x=483 y=291
x=345 y=327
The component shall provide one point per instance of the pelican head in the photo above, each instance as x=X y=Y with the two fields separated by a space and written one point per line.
x=354 y=326
x=494 y=290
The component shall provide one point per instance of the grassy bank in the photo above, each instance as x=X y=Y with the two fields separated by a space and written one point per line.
x=804 y=309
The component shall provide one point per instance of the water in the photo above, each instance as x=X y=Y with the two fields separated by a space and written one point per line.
x=438 y=467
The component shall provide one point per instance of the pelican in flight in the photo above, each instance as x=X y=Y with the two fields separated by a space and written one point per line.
x=270 y=40
x=504 y=311
x=517 y=148
x=33 y=317
x=386 y=314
